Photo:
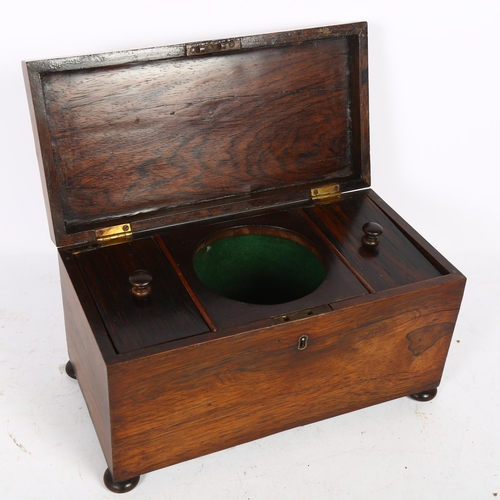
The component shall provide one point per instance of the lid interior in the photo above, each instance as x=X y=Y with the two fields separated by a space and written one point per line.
x=143 y=136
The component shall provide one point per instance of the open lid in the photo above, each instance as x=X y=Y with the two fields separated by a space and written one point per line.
x=137 y=135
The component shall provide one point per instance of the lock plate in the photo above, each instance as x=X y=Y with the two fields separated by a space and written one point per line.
x=306 y=313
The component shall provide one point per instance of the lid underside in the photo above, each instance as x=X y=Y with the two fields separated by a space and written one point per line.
x=140 y=137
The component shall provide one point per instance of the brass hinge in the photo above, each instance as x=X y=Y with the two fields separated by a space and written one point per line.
x=196 y=49
x=328 y=192
x=114 y=235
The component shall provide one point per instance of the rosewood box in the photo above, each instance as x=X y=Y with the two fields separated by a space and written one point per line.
x=226 y=271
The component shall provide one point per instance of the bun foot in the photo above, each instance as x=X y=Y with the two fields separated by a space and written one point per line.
x=70 y=371
x=119 y=486
x=424 y=395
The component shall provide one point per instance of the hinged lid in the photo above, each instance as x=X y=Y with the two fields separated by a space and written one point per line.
x=139 y=136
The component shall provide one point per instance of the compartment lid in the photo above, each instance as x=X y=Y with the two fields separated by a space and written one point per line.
x=155 y=136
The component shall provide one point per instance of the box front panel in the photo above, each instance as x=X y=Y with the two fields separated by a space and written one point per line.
x=187 y=402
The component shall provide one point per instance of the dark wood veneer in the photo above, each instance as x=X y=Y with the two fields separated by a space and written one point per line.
x=146 y=136
x=395 y=261
x=166 y=314
x=241 y=387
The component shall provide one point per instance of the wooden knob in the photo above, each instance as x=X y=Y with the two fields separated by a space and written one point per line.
x=372 y=232
x=141 y=283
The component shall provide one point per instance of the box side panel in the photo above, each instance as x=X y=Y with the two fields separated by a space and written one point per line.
x=43 y=150
x=358 y=67
x=184 y=403
x=86 y=351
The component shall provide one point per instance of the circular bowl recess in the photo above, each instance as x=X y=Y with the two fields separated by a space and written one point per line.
x=259 y=265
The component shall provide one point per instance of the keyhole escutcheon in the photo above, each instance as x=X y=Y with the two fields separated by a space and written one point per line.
x=302 y=343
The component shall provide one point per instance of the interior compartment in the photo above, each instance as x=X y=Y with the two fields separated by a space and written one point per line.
x=395 y=261
x=259 y=265
x=259 y=268
x=133 y=323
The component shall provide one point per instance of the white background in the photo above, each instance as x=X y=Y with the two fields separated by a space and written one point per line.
x=434 y=107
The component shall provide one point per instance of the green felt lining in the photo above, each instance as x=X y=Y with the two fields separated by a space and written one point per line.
x=259 y=268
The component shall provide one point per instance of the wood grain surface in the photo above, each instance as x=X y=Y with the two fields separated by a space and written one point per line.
x=122 y=140
x=395 y=261
x=187 y=402
x=174 y=132
x=167 y=314
x=89 y=348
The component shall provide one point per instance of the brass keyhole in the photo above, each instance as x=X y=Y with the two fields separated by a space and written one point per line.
x=302 y=344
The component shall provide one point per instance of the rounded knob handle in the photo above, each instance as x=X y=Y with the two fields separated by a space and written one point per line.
x=372 y=232
x=141 y=282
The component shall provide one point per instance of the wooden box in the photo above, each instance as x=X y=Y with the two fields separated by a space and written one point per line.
x=223 y=271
